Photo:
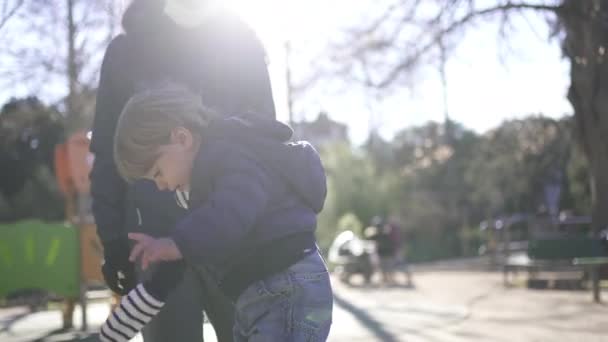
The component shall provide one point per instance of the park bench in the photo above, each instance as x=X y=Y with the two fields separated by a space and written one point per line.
x=580 y=255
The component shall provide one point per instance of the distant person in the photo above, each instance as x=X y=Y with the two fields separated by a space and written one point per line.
x=380 y=234
x=253 y=201
x=400 y=262
x=371 y=234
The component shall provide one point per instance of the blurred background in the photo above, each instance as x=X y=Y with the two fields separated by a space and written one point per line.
x=466 y=146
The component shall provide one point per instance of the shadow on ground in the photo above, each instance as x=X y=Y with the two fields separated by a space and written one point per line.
x=68 y=335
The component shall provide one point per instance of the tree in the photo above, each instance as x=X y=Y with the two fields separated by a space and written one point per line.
x=54 y=49
x=9 y=8
x=354 y=186
x=577 y=195
x=510 y=170
x=441 y=190
x=29 y=132
x=585 y=45
x=434 y=198
x=384 y=53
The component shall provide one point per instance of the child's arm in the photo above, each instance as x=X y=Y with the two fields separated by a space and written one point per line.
x=217 y=229
x=141 y=304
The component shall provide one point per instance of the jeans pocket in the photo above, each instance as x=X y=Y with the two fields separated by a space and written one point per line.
x=312 y=306
x=264 y=294
x=276 y=285
x=263 y=309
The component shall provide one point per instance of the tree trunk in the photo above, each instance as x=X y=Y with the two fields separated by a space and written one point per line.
x=586 y=45
x=71 y=63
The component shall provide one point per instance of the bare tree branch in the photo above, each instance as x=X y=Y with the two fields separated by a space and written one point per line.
x=7 y=12
x=413 y=59
x=371 y=45
x=36 y=52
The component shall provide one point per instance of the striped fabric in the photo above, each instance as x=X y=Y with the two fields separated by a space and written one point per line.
x=182 y=198
x=135 y=310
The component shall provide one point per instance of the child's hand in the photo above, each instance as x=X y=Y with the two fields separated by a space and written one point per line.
x=152 y=250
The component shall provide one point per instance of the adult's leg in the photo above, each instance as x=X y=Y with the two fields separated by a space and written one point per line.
x=181 y=318
x=218 y=308
x=154 y=212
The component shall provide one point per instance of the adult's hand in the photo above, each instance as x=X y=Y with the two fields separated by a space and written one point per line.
x=118 y=271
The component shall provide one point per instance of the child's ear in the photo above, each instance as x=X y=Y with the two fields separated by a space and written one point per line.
x=181 y=136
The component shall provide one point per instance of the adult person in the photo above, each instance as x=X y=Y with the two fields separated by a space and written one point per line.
x=380 y=233
x=211 y=51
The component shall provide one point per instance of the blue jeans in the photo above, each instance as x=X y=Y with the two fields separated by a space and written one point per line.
x=294 y=305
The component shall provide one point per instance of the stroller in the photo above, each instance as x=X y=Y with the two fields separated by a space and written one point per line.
x=351 y=255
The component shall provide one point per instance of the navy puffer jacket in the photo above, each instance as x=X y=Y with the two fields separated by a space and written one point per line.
x=249 y=187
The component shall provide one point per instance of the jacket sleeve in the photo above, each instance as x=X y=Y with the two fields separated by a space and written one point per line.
x=213 y=232
x=108 y=190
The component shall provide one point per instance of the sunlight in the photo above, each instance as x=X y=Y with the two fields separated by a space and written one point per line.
x=278 y=20
x=269 y=18
x=307 y=25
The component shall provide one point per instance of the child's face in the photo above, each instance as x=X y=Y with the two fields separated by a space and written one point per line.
x=172 y=169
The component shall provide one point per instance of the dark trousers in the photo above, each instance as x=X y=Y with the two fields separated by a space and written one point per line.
x=181 y=319
x=218 y=308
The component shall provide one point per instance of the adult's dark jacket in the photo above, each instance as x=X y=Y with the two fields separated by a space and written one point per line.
x=222 y=59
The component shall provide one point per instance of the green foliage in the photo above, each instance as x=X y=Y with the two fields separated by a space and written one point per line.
x=349 y=221
x=440 y=182
x=516 y=161
x=353 y=187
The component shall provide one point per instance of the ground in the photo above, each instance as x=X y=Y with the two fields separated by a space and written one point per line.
x=447 y=304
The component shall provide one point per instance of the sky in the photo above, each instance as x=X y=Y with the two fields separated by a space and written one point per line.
x=487 y=81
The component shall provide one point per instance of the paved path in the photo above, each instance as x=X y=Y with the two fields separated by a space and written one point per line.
x=446 y=306
x=467 y=306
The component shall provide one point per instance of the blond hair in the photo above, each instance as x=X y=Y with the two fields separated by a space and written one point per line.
x=146 y=122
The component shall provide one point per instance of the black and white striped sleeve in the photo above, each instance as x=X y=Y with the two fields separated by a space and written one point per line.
x=135 y=310
x=182 y=198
